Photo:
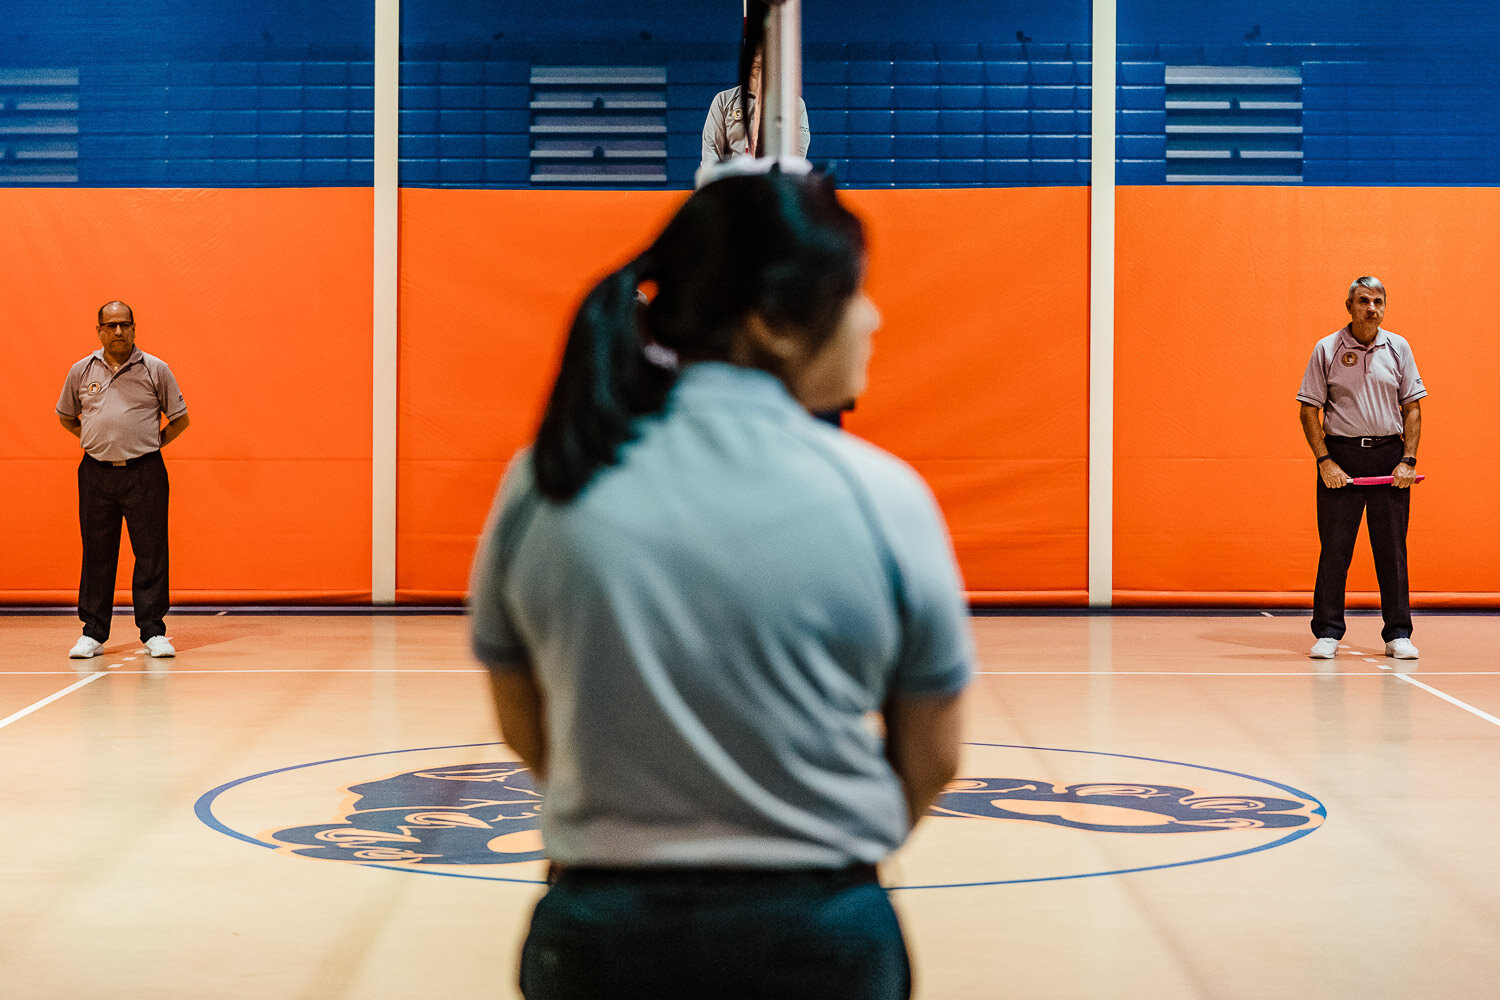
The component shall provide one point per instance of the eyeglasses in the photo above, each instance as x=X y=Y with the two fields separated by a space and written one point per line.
x=124 y=326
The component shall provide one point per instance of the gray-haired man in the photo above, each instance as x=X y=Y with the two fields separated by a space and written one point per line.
x=1364 y=381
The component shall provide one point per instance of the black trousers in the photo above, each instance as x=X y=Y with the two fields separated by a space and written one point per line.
x=1386 y=511
x=683 y=935
x=136 y=492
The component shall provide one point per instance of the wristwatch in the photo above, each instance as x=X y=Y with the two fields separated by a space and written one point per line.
x=1410 y=460
x=1324 y=458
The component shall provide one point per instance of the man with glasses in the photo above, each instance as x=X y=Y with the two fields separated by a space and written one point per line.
x=113 y=401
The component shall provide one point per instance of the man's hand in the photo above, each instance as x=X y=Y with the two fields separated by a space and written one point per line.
x=1333 y=476
x=1403 y=476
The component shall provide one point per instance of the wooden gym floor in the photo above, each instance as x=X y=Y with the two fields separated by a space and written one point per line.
x=1151 y=806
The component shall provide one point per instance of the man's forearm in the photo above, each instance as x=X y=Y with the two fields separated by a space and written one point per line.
x=1312 y=429
x=173 y=430
x=1411 y=430
x=922 y=745
x=518 y=704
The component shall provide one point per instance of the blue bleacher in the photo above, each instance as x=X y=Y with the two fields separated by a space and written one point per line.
x=871 y=96
x=960 y=97
x=1012 y=73
x=874 y=147
x=906 y=112
x=871 y=71
x=914 y=96
x=1001 y=98
x=961 y=172
x=962 y=147
x=954 y=122
x=914 y=147
x=952 y=74
x=888 y=113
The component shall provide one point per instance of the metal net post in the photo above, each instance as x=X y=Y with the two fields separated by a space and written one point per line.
x=783 y=78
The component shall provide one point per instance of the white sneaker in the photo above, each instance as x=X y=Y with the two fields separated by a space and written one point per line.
x=1324 y=648
x=1401 y=649
x=85 y=648
x=158 y=645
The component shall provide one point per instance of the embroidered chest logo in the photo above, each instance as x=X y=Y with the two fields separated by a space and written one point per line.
x=736 y=114
x=94 y=388
x=1350 y=359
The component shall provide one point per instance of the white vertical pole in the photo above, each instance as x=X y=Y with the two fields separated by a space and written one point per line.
x=783 y=79
x=1102 y=310
x=386 y=276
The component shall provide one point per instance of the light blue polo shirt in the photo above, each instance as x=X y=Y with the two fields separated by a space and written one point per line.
x=712 y=621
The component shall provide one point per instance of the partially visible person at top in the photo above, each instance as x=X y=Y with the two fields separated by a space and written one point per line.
x=734 y=126
x=694 y=600
x=1360 y=404
x=114 y=402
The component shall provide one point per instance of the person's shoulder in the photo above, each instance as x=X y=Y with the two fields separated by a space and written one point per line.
x=1397 y=342
x=887 y=476
x=726 y=97
x=1330 y=343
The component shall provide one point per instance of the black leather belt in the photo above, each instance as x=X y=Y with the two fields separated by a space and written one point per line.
x=702 y=877
x=1364 y=442
x=127 y=462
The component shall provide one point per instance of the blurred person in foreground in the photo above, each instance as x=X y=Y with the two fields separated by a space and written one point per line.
x=729 y=640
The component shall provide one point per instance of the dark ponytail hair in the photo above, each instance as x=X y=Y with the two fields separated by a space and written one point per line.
x=605 y=382
x=775 y=245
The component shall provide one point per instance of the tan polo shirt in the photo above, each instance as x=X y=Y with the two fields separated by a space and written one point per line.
x=120 y=411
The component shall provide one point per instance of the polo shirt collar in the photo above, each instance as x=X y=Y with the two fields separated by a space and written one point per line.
x=135 y=355
x=720 y=384
x=1346 y=339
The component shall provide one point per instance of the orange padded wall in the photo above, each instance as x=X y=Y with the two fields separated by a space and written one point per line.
x=979 y=377
x=260 y=302
x=1221 y=294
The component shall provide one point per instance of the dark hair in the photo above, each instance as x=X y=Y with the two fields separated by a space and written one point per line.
x=752 y=44
x=775 y=245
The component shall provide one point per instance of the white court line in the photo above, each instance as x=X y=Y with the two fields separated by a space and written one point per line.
x=358 y=671
x=1294 y=674
x=351 y=671
x=38 y=706
x=1487 y=717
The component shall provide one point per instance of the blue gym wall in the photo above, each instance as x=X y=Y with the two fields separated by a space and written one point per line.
x=962 y=93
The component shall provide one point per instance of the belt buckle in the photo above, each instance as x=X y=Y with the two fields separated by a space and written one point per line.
x=1367 y=442
x=119 y=465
